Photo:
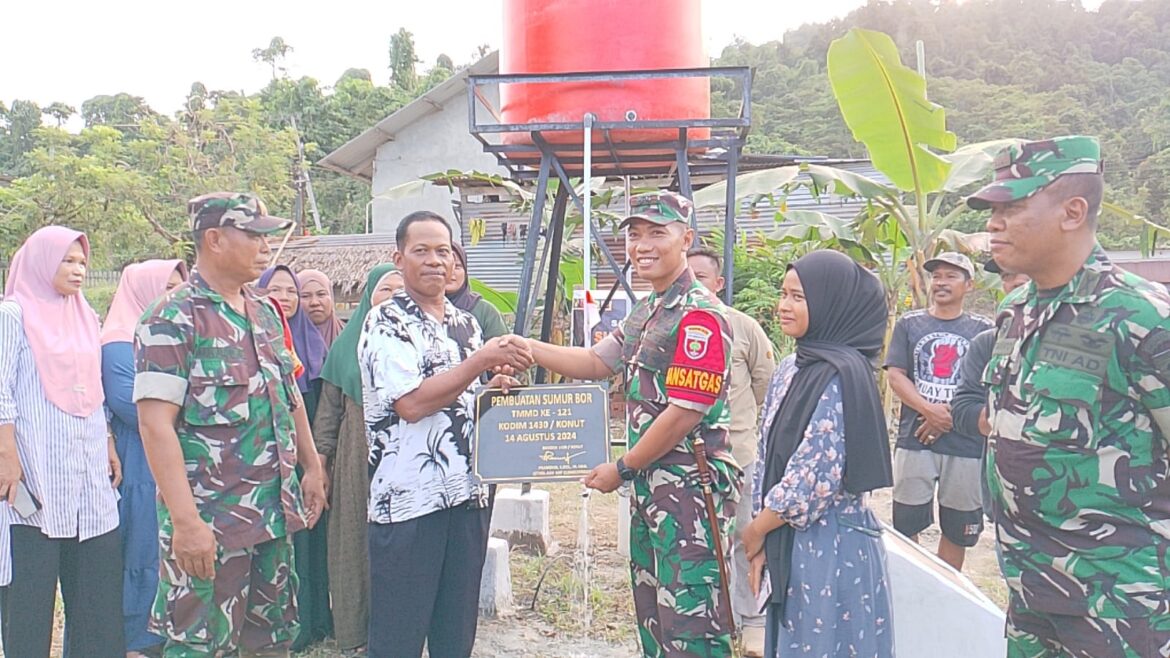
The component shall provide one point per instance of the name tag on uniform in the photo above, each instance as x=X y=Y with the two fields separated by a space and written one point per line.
x=1076 y=348
x=227 y=354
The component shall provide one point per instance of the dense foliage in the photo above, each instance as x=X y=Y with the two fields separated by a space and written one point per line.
x=1001 y=68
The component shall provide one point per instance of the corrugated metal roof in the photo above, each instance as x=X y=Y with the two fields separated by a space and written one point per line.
x=356 y=157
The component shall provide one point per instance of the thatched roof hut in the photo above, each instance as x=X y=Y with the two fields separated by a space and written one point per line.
x=346 y=259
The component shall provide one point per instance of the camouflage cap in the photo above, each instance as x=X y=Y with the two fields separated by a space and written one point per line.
x=1024 y=169
x=661 y=208
x=952 y=258
x=239 y=209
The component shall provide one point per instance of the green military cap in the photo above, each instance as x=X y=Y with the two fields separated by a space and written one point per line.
x=660 y=208
x=1024 y=169
x=239 y=209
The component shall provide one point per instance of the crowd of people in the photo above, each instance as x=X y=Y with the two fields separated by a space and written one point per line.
x=224 y=466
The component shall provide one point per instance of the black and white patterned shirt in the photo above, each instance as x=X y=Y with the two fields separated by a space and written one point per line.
x=422 y=467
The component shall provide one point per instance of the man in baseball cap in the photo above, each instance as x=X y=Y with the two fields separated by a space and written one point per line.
x=1078 y=416
x=225 y=427
x=1022 y=170
x=953 y=259
x=239 y=209
x=676 y=405
x=925 y=358
x=660 y=208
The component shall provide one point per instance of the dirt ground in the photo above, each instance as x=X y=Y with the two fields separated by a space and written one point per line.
x=554 y=626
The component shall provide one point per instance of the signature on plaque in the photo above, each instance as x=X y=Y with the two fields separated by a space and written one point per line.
x=548 y=456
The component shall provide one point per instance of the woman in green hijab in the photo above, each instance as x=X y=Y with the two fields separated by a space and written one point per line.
x=340 y=434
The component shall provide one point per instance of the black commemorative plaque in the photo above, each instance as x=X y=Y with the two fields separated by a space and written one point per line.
x=544 y=433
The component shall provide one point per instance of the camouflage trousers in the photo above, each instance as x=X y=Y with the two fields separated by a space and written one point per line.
x=1033 y=634
x=250 y=606
x=672 y=563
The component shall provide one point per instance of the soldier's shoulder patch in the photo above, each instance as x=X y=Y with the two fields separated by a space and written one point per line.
x=698 y=372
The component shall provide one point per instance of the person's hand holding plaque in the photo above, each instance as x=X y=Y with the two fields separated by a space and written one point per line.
x=503 y=382
x=507 y=355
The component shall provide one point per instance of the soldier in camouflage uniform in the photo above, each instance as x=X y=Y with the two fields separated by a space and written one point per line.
x=223 y=425
x=1079 y=416
x=675 y=349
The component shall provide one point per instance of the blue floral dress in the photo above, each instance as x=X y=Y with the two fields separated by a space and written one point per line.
x=838 y=595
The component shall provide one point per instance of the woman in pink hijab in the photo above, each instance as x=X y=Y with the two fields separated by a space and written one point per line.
x=141 y=285
x=58 y=472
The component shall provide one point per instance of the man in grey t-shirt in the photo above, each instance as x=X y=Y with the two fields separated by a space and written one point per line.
x=924 y=361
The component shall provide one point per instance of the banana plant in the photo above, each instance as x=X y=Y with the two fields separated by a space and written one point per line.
x=1150 y=232
x=906 y=218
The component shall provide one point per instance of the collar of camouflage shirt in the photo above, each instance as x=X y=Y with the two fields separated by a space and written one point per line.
x=197 y=281
x=678 y=290
x=1082 y=288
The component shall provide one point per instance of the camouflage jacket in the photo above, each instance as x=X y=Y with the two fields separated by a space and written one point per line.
x=232 y=378
x=676 y=349
x=1079 y=407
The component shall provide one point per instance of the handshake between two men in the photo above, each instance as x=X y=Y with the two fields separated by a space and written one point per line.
x=506 y=356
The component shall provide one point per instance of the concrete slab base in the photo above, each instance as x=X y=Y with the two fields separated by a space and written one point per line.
x=962 y=620
x=523 y=519
x=495 y=586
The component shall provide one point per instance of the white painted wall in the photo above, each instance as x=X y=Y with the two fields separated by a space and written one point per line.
x=937 y=611
x=437 y=142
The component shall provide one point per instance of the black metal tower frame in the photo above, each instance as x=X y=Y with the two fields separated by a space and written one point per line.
x=541 y=159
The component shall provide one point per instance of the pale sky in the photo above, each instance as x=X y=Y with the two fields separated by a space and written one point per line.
x=71 y=50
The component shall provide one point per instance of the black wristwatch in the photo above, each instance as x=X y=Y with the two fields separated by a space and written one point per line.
x=625 y=472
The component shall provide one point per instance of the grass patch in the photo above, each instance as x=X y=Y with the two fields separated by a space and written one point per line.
x=557 y=603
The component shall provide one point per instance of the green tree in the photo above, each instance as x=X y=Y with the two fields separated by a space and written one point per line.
x=355 y=74
x=60 y=112
x=123 y=111
x=273 y=55
x=18 y=126
x=402 y=60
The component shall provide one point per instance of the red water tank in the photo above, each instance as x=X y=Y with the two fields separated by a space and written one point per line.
x=569 y=36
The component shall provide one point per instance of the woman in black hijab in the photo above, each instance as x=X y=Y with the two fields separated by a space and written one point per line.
x=824 y=445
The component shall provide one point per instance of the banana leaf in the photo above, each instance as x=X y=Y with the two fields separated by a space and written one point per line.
x=971 y=163
x=847 y=183
x=503 y=300
x=884 y=103
x=410 y=188
x=765 y=182
x=1151 y=231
